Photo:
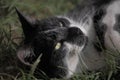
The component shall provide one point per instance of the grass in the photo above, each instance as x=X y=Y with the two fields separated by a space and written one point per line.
x=11 y=36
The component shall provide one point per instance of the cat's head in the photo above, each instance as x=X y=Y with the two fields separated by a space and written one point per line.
x=59 y=43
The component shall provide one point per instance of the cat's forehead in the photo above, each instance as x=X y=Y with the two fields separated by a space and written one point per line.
x=51 y=23
x=53 y=20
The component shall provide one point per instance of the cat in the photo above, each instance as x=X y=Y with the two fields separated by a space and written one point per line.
x=67 y=42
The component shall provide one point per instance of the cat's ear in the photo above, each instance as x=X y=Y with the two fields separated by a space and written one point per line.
x=27 y=26
x=26 y=55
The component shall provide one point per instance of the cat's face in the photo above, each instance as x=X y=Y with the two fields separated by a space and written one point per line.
x=57 y=41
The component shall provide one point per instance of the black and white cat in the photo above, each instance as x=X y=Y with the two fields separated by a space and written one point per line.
x=68 y=42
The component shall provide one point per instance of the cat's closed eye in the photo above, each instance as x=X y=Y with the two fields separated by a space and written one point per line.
x=64 y=22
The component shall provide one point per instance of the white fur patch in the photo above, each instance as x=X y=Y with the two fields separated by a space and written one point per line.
x=112 y=10
x=90 y=59
x=73 y=61
x=112 y=37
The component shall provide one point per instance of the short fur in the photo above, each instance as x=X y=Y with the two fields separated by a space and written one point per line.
x=76 y=31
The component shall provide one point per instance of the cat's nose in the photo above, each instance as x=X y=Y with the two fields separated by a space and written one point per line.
x=74 y=31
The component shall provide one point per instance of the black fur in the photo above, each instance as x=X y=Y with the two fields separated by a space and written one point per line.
x=117 y=24
x=100 y=29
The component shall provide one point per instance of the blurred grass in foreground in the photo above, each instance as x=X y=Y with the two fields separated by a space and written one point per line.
x=11 y=35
